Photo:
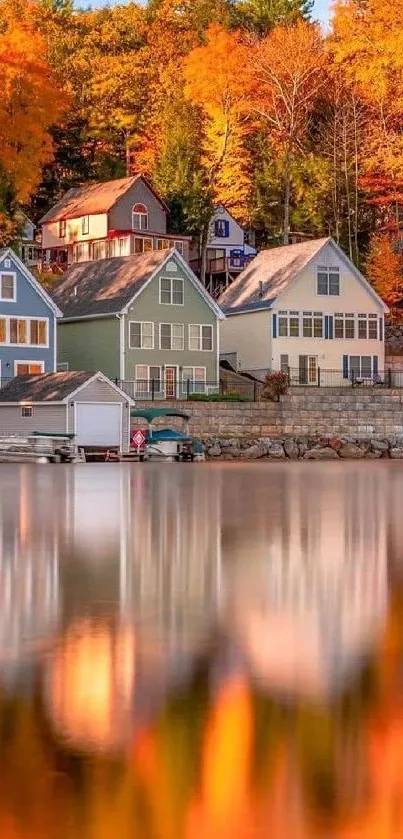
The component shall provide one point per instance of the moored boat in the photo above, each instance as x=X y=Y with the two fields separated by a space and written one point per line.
x=170 y=444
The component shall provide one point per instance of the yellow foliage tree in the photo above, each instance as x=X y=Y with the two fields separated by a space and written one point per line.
x=385 y=269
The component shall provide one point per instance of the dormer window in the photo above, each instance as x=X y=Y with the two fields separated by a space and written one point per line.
x=139 y=217
x=62 y=229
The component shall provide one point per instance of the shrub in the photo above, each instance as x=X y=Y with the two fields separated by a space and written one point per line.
x=275 y=384
x=219 y=397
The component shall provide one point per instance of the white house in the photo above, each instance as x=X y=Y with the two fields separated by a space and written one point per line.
x=227 y=253
x=307 y=309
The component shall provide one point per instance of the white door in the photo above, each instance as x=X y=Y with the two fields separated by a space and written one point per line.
x=98 y=424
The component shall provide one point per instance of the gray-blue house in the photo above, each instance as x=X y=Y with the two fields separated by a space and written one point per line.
x=27 y=321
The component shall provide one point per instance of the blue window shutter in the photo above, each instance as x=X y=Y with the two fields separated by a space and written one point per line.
x=375 y=366
x=381 y=328
x=326 y=326
x=331 y=326
x=226 y=226
x=345 y=366
x=274 y=326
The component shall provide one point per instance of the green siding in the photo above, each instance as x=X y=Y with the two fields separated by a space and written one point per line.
x=90 y=345
x=195 y=310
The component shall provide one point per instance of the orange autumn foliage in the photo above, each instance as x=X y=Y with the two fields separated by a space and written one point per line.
x=29 y=103
x=385 y=269
x=217 y=80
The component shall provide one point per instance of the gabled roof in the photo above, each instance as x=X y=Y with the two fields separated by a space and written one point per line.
x=92 y=199
x=8 y=253
x=47 y=387
x=108 y=286
x=271 y=272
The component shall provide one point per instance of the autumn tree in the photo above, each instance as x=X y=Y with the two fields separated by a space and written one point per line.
x=261 y=16
x=367 y=43
x=385 y=269
x=289 y=70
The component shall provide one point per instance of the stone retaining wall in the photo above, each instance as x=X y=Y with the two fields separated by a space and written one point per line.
x=304 y=448
x=359 y=413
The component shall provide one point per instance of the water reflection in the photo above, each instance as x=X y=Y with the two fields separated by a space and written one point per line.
x=201 y=651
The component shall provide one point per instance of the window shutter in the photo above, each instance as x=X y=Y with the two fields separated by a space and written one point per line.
x=274 y=326
x=381 y=328
x=326 y=326
x=226 y=228
x=375 y=366
x=331 y=327
x=345 y=366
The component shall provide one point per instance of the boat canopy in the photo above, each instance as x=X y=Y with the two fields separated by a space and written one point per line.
x=153 y=413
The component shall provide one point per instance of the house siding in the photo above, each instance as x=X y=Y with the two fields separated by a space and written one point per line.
x=98 y=229
x=92 y=344
x=194 y=311
x=120 y=216
x=28 y=304
x=100 y=391
x=249 y=335
x=49 y=418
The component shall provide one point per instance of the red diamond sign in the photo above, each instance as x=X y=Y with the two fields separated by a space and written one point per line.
x=138 y=439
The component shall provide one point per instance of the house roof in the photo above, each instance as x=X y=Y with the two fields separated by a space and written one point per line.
x=92 y=199
x=271 y=272
x=108 y=286
x=258 y=285
x=48 y=387
x=8 y=253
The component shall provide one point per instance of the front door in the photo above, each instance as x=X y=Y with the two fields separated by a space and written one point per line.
x=308 y=370
x=170 y=382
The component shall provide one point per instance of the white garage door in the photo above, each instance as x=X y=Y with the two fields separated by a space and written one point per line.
x=98 y=424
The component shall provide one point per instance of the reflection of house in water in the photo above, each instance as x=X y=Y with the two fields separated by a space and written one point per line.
x=29 y=557
x=176 y=543
x=307 y=592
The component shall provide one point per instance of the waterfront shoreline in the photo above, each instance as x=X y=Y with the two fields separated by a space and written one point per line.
x=303 y=448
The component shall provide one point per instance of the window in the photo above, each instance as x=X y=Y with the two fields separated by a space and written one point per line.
x=18 y=331
x=373 y=327
x=344 y=325
x=318 y=325
x=288 y=324
x=39 y=332
x=368 y=326
x=200 y=337
x=307 y=325
x=26 y=411
x=179 y=246
x=3 y=330
x=7 y=287
x=362 y=326
x=360 y=367
x=141 y=335
x=139 y=217
x=221 y=228
x=171 y=336
x=142 y=245
x=124 y=247
x=85 y=225
x=163 y=244
x=28 y=368
x=171 y=291
x=328 y=280
x=98 y=250
x=148 y=380
x=194 y=380
x=81 y=252
x=62 y=229
x=284 y=363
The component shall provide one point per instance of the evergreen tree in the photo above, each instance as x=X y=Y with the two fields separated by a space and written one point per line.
x=261 y=16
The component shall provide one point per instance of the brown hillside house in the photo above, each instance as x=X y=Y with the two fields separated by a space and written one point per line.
x=104 y=220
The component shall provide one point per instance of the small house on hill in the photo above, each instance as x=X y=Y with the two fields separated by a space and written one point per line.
x=105 y=220
x=304 y=308
x=144 y=320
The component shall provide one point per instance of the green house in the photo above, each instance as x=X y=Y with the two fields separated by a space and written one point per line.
x=144 y=320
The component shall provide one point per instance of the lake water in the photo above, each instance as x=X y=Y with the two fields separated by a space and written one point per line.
x=201 y=651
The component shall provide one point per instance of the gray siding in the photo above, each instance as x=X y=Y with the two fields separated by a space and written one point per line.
x=29 y=304
x=45 y=418
x=120 y=216
x=99 y=391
